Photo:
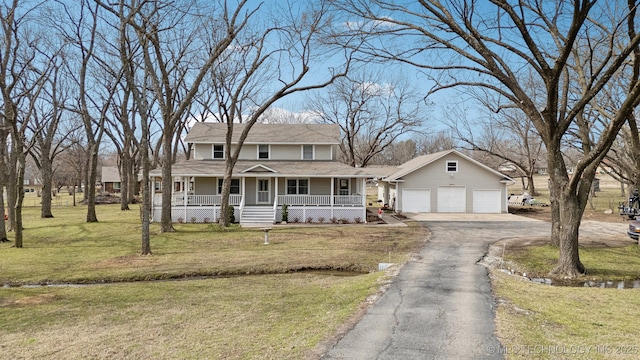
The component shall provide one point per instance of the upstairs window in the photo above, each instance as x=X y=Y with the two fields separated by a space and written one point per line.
x=307 y=152
x=263 y=151
x=297 y=186
x=234 y=189
x=452 y=166
x=218 y=151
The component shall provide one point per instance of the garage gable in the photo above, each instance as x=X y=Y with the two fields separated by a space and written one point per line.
x=457 y=182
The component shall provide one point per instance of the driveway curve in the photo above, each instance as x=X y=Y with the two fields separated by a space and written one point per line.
x=441 y=305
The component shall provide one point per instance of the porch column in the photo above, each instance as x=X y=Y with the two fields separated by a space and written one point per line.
x=363 y=184
x=153 y=195
x=275 y=200
x=184 y=190
x=333 y=182
x=244 y=193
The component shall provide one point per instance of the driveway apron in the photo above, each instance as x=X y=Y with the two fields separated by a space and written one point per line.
x=441 y=305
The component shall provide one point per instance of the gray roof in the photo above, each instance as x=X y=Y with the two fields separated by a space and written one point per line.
x=110 y=174
x=253 y=168
x=209 y=132
x=380 y=171
x=424 y=160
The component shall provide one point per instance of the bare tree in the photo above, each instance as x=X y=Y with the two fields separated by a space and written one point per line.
x=121 y=130
x=507 y=135
x=266 y=63
x=371 y=114
x=491 y=47
x=428 y=143
x=96 y=79
x=22 y=75
x=181 y=45
x=49 y=142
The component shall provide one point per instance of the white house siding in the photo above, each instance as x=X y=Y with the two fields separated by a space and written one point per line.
x=205 y=186
x=202 y=151
x=286 y=152
x=323 y=152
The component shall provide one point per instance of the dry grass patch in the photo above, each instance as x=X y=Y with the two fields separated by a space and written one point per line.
x=275 y=316
x=562 y=317
x=256 y=317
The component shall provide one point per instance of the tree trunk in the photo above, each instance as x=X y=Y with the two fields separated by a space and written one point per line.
x=90 y=191
x=224 y=219
x=167 y=186
x=3 y=229
x=569 y=264
x=19 y=185
x=532 y=185
x=47 y=179
x=567 y=209
x=12 y=195
x=125 y=171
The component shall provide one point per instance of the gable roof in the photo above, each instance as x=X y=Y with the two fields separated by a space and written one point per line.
x=424 y=160
x=209 y=132
x=110 y=174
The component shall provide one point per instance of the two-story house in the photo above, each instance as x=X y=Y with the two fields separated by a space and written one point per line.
x=279 y=164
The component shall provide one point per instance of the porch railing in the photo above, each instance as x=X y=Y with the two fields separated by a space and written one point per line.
x=319 y=200
x=205 y=200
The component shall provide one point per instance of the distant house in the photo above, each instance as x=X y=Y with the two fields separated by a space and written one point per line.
x=111 y=179
x=447 y=181
x=290 y=166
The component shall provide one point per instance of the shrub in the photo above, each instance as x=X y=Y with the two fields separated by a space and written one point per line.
x=206 y=220
x=180 y=220
x=193 y=220
x=357 y=219
x=296 y=220
x=344 y=221
x=232 y=214
x=334 y=220
x=285 y=212
x=321 y=220
x=309 y=219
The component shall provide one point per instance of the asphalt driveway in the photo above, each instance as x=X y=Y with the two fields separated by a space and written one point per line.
x=441 y=305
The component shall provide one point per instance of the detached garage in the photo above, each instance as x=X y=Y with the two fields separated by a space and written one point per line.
x=448 y=182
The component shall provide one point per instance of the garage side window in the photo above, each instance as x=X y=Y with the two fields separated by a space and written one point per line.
x=452 y=166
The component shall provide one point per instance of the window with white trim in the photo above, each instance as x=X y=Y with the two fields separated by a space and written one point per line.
x=297 y=186
x=307 y=152
x=263 y=151
x=218 y=151
x=234 y=189
x=452 y=166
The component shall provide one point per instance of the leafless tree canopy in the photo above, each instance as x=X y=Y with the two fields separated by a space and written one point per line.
x=571 y=48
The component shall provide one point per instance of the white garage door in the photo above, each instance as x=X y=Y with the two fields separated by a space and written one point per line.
x=416 y=200
x=452 y=199
x=486 y=201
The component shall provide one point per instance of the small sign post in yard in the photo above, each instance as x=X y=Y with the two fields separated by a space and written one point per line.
x=266 y=235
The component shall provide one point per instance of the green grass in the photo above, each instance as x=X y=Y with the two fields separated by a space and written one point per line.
x=569 y=318
x=602 y=263
x=575 y=319
x=65 y=249
x=275 y=312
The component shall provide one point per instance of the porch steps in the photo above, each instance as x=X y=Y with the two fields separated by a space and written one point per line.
x=257 y=215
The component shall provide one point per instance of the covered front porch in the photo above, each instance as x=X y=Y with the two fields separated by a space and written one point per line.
x=261 y=199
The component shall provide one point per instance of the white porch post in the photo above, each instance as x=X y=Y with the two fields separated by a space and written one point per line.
x=153 y=195
x=333 y=181
x=275 y=200
x=363 y=183
x=184 y=190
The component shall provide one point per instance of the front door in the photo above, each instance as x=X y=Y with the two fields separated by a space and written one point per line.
x=263 y=191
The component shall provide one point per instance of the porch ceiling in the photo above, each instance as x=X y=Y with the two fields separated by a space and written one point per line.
x=281 y=168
